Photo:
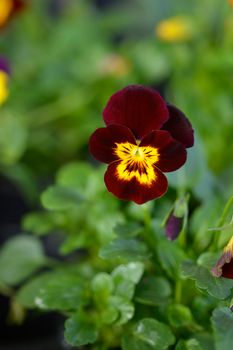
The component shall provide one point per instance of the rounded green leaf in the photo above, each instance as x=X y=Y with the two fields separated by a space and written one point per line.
x=222 y=321
x=19 y=258
x=54 y=291
x=153 y=291
x=149 y=334
x=80 y=331
x=179 y=316
x=219 y=288
x=128 y=249
x=102 y=286
x=130 y=229
x=60 y=198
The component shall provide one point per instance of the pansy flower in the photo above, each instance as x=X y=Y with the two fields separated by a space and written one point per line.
x=224 y=265
x=8 y=8
x=143 y=138
x=4 y=77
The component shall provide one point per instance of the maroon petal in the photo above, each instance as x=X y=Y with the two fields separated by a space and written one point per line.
x=103 y=141
x=4 y=65
x=18 y=5
x=172 y=154
x=140 y=109
x=179 y=127
x=132 y=189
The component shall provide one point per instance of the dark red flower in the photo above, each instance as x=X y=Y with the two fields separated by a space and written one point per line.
x=8 y=8
x=4 y=65
x=143 y=138
x=224 y=265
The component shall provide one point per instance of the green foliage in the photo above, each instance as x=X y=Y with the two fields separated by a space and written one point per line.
x=148 y=334
x=153 y=291
x=217 y=287
x=170 y=255
x=80 y=331
x=60 y=198
x=222 y=321
x=126 y=249
x=30 y=258
x=61 y=290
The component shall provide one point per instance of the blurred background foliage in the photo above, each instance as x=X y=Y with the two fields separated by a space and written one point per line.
x=67 y=58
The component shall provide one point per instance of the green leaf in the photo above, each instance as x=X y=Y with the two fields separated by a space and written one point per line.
x=222 y=321
x=19 y=258
x=102 y=286
x=191 y=344
x=132 y=272
x=180 y=316
x=125 y=277
x=80 y=331
x=153 y=291
x=13 y=138
x=171 y=256
x=109 y=314
x=128 y=249
x=125 y=308
x=148 y=334
x=54 y=291
x=131 y=229
x=219 y=288
x=60 y=198
x=27 y=294
x=208 y=259
x=39 y=223
x=80 y=176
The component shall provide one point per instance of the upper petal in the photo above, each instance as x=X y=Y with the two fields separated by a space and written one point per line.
x=140 y=109
x=133 y=190
x=179 y=127
x=103 y=141
x=172 y=154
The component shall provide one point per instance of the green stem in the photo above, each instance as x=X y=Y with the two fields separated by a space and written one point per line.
x=221 y=221
x=148 y=231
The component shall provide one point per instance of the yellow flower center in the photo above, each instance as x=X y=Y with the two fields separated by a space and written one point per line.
x=6 y=7
x=3 y=86
x=136 y=162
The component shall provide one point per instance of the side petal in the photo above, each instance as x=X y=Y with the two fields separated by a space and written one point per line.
x=179 y=127
x=140 y=109
x=132 y=190
x=172 y=154
x=103 y=140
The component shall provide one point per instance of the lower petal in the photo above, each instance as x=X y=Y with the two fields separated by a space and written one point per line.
x=132 y=189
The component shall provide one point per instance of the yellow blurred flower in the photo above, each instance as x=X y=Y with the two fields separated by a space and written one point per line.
x=4 y=92
x=174 y=29
x=114 y=64
x=231 y=2
x=6 y=7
